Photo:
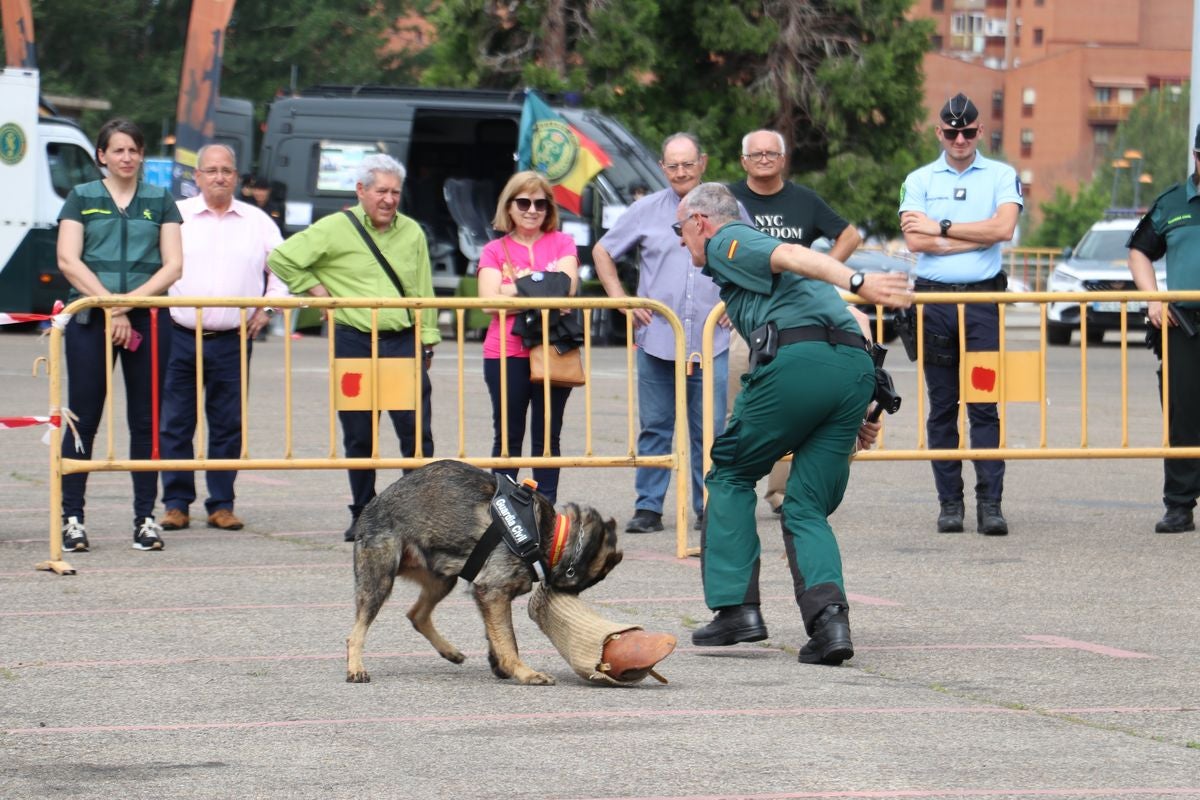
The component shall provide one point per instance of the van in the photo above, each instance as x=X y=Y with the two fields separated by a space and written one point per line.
x=42 y=157
x=459 y=147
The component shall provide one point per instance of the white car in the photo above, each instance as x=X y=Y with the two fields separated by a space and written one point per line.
x=1099 y=263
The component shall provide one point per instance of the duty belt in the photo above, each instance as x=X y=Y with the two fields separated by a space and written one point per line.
x=996 y=283
x=819 y=333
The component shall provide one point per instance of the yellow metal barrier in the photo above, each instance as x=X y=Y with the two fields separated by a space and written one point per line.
x=1042 y=450
x=1031 y=266
x=106 y=461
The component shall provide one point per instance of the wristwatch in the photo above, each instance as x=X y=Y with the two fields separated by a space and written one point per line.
x=945 y=226
x=270 y=312
x=856 y=281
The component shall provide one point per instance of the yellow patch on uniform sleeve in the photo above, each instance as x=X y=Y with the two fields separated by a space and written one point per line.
x=732 y=249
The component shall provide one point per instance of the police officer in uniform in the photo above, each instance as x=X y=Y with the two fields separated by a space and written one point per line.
x=806 y=394
x=1172 y=228
x=955 y=214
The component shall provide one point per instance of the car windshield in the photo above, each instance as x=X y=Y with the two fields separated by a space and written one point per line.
x=1103 y=246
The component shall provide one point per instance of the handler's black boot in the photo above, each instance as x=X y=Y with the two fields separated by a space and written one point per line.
x=991 y=519
x=1178 y=519
x=830 y=643
x=950 y=520
x=731 y=625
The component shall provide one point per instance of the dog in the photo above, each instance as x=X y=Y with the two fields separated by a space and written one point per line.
x=423 y=528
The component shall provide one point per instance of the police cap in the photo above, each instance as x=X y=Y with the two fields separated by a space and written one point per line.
x=959 y=111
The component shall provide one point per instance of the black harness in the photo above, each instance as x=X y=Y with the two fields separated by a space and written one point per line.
x=514 y=521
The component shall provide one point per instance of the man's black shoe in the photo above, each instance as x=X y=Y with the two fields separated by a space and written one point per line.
x=1177 y=520
x=991 y=519
x=644 y=521
x=731 y=625
x=830 y=643
x=950 y=520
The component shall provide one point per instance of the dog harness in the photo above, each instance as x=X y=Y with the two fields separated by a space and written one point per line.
x=514 y=521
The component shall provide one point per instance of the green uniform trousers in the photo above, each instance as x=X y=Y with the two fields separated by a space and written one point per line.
x=809 y=401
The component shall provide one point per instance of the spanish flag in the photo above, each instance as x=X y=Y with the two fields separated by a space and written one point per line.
x=559 y=151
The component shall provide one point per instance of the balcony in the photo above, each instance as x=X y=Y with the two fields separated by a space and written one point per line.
x=1108 y=113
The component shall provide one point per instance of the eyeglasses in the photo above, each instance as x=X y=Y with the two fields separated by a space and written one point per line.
x=523 y=204
x=686 y=166
x=950 y=134
x=678 y=226
x=212 y=172
x=762 y=155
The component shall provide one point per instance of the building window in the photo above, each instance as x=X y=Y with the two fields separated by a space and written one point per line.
x=1101 y=140
x=938 y=5
x=1028 y=97
x=997 y=141
x=1026 y=142
x=936 y=41
x=1037 y=36
x=1125 y=97
x=1039 y=2
x=998 y=104
x=1103 y=94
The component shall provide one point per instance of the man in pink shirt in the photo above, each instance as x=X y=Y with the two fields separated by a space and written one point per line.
x=225 y=247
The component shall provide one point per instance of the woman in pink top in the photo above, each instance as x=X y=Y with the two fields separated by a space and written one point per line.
x=532 y=243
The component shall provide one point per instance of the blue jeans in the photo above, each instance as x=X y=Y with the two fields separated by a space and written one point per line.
x=656 y=414
x=525 y=396
x=222 y=414
x=84 y=348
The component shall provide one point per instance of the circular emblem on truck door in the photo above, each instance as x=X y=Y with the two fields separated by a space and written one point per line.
x=554 y=149
x=12 y=143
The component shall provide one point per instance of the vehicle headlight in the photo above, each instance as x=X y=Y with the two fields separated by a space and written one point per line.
x=1063 y=281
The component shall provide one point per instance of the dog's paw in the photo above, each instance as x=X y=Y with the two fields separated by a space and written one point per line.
x=358 y=677
x=453 y=656
x=532 y=678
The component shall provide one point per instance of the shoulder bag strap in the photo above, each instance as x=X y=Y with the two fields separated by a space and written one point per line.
x=374 y=248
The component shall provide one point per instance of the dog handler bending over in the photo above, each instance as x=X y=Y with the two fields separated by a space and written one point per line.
x=809 y=400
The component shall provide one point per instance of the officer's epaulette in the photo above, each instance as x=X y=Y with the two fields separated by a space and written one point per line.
x=1167 y=191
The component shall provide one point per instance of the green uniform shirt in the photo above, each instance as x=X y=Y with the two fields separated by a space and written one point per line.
x=122 y=248
x=739 y=261
x=331 y=252
x=1172 y=227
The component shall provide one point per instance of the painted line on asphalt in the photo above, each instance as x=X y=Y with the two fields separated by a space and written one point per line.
x=1132 y=791
x=1089 y=647
x=544 y=716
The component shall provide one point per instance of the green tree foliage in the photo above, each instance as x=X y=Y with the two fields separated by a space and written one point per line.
x=1066 y=217
x=1157 y=128
x=130 y=52
x=841 y=78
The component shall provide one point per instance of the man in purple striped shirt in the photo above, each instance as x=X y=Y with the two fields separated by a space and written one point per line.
x=666 y=274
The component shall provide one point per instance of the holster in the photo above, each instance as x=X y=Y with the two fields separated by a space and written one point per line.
x=764 y=344
x=905 y=321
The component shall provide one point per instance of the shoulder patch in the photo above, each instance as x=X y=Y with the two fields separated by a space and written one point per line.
x=903 y=187
x=732 y=249
x=1018 y=182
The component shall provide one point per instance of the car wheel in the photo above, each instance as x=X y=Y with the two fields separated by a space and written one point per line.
x=1095 y=335
x=1058 y=334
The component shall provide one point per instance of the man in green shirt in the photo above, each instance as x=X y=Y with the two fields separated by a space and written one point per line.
x=807 y=395
x=331 y=258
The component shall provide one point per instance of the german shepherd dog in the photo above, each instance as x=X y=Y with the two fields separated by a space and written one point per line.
x=423 y=528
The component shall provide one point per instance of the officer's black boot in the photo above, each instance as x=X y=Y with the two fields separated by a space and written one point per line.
x=731 y=625
x=348 y=536
x=991 y=519
x=1178 y=519
x=830 y=643
x=950 y=520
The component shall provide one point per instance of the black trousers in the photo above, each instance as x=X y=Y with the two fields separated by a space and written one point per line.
x=356 y=425
x=1181 y=476
x=941 y=380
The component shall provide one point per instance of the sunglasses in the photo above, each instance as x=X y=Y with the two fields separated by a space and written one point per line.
x=523 y=204
x=950 y=134
x=678 y=226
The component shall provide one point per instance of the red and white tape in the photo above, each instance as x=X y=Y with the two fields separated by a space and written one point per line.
x=29 y=422
x=59 y=319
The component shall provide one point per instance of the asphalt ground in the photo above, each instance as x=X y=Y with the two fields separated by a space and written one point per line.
x=1060 y=661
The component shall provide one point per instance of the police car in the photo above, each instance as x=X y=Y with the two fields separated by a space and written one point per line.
x=1099 y=263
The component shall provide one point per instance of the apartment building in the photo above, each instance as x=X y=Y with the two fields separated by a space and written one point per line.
x=1053 y=78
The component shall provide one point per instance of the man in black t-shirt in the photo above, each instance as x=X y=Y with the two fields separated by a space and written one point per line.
x=791 y=213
